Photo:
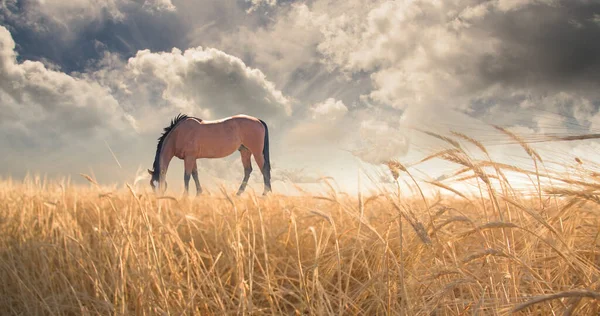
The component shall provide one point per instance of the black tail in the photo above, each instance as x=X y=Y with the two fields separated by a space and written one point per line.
x=266 y=147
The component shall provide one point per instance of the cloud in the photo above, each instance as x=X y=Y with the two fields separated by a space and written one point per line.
x=461 y=49
x=373 y=135
x=283 y=44
x=158 y=5
x=325 y=123
x=256 y=4
x=329 y=110
x=379 y=142
x=47 y=107
x=281 y=48
x=75 y=15
x=204 y=82
x=532 y=64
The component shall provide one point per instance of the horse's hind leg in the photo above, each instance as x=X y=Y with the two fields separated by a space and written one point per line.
x=195 y=176
x=265 y=169
x=247 y=163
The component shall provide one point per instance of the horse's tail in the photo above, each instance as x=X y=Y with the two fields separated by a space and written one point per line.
x=266 y=146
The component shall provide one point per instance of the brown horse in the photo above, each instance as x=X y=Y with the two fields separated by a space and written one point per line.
x=190 y=138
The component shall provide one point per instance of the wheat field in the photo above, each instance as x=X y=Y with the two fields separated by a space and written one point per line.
x=90 y=250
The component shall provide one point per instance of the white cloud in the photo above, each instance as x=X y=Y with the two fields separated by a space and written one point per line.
x=207 y=81
x=158 y=5
x=255 y=4
x=46 y=106
x=424 y=63
x=203 y=82
x=329 y=110
x=281 y=47
x=475 y=12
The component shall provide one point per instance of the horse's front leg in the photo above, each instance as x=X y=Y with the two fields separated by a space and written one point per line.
x=189 y=163
x=186 y=182
x=195 y=176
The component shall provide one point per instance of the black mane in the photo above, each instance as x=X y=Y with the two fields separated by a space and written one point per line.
x=161 y=139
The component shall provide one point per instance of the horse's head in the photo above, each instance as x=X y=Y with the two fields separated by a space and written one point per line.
x=155 y=182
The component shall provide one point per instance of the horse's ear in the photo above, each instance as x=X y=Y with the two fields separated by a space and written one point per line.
x=151 y=172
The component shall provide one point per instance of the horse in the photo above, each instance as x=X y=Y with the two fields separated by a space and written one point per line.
x=190 y=138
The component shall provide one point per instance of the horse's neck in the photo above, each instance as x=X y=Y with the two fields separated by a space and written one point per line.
x=165 y=157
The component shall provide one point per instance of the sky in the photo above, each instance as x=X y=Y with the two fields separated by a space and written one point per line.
x=86 y=86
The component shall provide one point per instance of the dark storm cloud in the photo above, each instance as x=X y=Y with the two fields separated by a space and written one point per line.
x=541 y=44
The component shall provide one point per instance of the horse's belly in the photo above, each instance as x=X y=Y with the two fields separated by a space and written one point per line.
x=220 y=151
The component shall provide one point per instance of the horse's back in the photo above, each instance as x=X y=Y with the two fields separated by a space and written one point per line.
x=249 y=125
x=234 y=118
x=242 y=124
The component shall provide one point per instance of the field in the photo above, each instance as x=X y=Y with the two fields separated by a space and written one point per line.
x=83 y=250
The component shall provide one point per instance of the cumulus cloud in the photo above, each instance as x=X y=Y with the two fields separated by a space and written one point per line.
x=204 y=82
x=459 y=50
x=45 y=107
x=329 y=110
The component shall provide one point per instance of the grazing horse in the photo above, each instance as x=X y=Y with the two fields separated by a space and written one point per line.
x=189 y=138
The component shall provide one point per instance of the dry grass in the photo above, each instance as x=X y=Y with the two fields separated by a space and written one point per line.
x=68 y=250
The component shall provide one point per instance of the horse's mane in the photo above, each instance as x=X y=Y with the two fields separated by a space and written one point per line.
x=180 y=117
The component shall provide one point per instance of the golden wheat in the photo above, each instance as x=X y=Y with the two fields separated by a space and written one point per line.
x=90 y=250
